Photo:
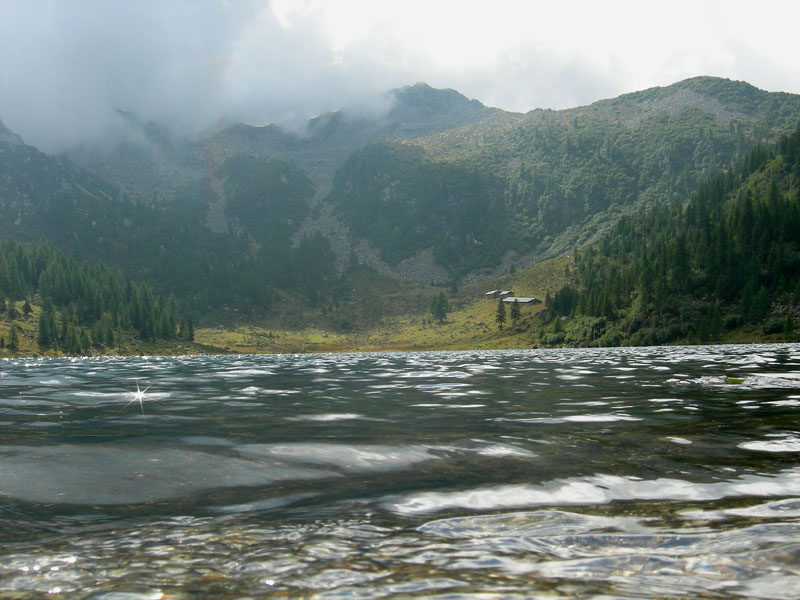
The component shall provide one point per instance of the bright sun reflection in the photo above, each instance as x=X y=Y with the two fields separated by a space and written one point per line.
x=138 y=395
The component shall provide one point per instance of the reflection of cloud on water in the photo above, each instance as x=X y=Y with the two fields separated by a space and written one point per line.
x=745 y=381
x=571 y=546
x=787 y=443
x=595 y=490
x=324 y=418
x=103 y=474
x=349 y=458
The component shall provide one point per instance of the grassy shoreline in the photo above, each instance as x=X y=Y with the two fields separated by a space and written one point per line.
x=241 y=341
x=470 y=325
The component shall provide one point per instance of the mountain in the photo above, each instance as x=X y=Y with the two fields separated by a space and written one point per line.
x=42 y=194
x=727 y=259
x=169 y=243
x=438 y=188
x=552 y=179
x=149 y=161
x=394 y=191
x=8 y=137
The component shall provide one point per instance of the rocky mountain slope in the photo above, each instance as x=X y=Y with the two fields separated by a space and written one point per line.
x=438 y=188
x=549 y=180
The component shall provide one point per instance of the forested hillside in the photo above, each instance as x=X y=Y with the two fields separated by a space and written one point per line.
x=84 y=306
x=402 y=202
x=556 y=178
x=729 y=258
x=169 y=244
x=258 y=225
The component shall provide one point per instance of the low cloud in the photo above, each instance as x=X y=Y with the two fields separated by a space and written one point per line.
x=67 y=65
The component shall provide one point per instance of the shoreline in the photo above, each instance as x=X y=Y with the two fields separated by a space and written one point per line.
x=204 y=350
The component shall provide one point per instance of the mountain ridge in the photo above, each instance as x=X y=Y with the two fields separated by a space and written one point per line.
x=7 y=136
x=566 y=176
x=446 y=190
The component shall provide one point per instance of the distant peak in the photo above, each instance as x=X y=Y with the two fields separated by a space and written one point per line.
x=128 y=116
x=153 y=131
x=706 y=83
x=7 y=136
x=724 y=89
x=422 y=95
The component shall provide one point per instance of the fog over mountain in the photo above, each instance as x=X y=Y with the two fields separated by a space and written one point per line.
x=66 y=67
x=188 y=64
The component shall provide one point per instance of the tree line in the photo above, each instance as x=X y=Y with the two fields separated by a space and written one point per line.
x=83 y=304
x=727 y=258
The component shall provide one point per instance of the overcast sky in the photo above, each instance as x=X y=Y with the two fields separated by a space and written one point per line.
x=66 y=64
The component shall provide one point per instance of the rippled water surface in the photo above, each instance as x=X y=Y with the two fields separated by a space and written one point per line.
x=624 y=473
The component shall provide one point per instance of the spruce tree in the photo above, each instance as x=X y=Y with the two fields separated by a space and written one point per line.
x=43 y=336
x=440 y=307
x=515 y=312
x=71 y=345
x=84 y=341
x=500 y=315
x=13 y=338
x=788 y=326
x=557 y=327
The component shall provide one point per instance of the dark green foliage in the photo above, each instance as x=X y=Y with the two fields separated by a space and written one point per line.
x=403 y=201
x=440 y=306
x=13 y=338
x=556 y=179
x=89 y=296
x=168 y=244
x=500 y=314
x=11 y=310
x=269 y=197
x=729 y=257
x=47 y=332
x=564 y=301
x=515 y=312
x=186 y=330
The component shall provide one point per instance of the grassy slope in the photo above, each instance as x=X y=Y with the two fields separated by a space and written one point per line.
x=470 y=325
x=26 y=332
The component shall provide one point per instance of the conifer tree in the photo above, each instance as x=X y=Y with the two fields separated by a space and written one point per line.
x=557 y=327
x=47 y=332
x=500 y=315
x=13 y=338
x=84 y=341
x=515 y=312
x=440 y=307
x=71 y=344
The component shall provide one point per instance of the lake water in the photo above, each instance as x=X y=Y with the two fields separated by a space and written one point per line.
x=602 y=473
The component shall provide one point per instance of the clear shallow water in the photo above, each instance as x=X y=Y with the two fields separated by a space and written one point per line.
x=625 y=473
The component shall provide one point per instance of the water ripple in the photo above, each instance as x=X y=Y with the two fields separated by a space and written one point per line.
x=600 y=473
